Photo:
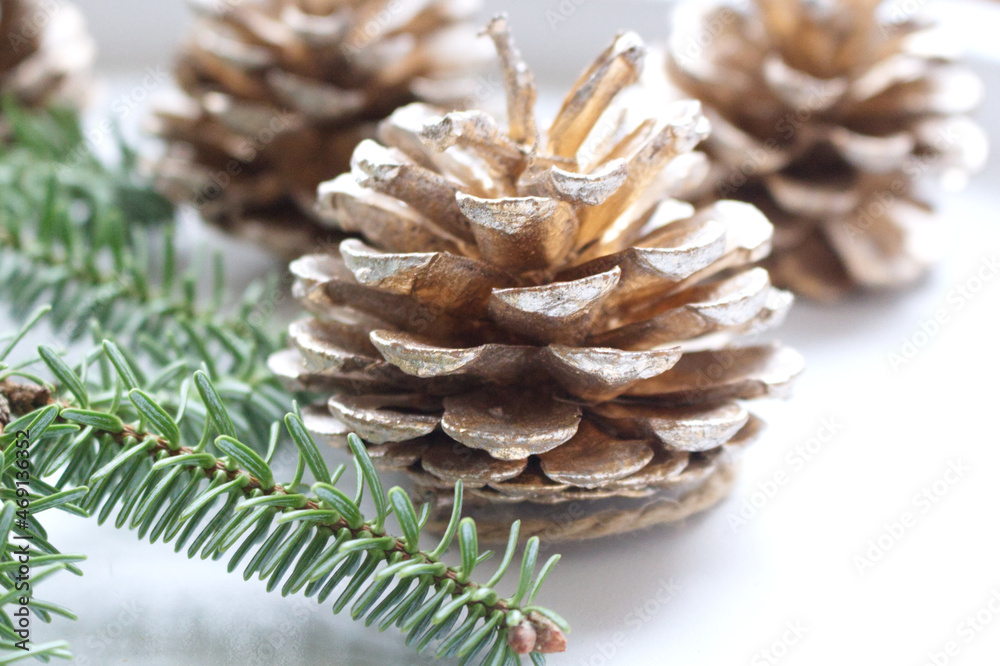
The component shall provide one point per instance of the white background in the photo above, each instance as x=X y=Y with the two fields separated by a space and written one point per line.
x=736 y=590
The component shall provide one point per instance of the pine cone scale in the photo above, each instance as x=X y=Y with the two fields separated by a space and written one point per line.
x=689 y=429
x=591 y=459
x=509 y=424
x=616 y=69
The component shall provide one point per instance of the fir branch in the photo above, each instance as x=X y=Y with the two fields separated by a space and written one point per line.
x=219 y=496
x=80 y=235
x=39 y=144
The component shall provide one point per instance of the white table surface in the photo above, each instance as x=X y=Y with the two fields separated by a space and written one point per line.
x=786 y=587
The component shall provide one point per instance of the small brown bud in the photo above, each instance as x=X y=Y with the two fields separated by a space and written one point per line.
x=23 y=398
x=550 y=638
x=4 y=411
x=522 y=637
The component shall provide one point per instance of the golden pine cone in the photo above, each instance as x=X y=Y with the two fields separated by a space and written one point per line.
x=535 y=314
x=45 y=54
x=829 y=119
x=277 y=93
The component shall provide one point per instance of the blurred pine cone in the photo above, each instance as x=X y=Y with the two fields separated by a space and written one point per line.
x=827 y=115
x=536 y=314
x=277 y=93
x=45 y=54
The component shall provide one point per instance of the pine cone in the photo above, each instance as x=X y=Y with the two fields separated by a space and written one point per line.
x=828 y=119
x=277 y=93
x=537 y=315
x=46 y=52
